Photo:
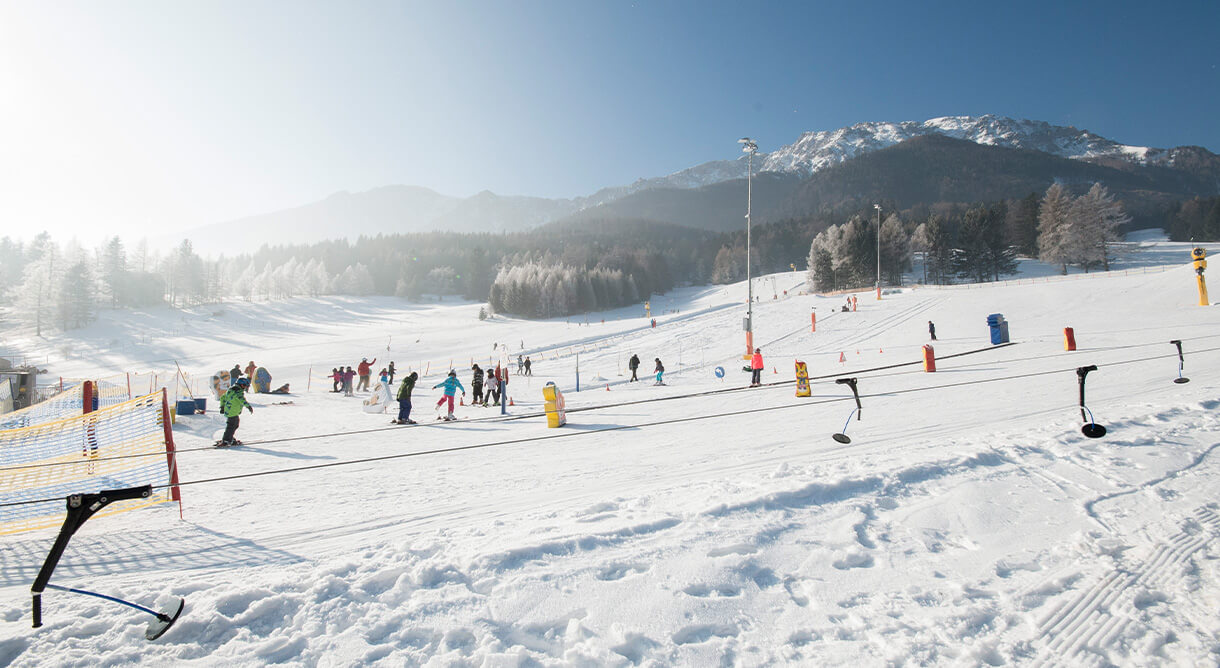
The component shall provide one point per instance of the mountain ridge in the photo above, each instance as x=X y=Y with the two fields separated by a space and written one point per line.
x=407 y=208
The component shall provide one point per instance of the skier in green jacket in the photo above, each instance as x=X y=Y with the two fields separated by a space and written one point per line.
x=404 y=399
x=231 y=404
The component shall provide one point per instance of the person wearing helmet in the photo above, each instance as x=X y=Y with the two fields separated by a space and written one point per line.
x=756 y=368
x=451 y=385
x=231 y=404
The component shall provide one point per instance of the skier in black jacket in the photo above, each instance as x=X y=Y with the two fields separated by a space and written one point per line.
x=633 y=364
x=404 y=399
x=476 y=384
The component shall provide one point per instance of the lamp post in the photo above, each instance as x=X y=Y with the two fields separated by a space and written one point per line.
x=878 y=208
x=749 y=148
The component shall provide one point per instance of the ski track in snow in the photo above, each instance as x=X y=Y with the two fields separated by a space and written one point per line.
x=969 y=525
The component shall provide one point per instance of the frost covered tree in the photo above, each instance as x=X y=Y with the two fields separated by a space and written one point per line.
x=1055 y=242
x=113 y=273
x=75 y=305
x=820 y=261
x=1098 y=218
x=187 y=280
x=35 y=295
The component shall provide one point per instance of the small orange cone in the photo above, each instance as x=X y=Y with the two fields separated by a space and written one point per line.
x=842 y=358
x=880 y=351
x=510 y=401
x=462 y=401
x=774 y=370
x=607 y=387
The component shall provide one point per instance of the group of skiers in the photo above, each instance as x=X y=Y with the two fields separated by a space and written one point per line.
x=485 y=384
x=634 y=365
x=342 y=377
x=236 y=372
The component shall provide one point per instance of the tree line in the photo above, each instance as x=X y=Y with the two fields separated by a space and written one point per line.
x=978 y=242
x=568 y=268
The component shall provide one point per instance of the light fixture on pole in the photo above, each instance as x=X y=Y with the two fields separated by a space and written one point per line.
x=749 y=148
x=878 y=208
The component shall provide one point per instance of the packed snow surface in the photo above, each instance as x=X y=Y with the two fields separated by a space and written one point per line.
x=968 y=522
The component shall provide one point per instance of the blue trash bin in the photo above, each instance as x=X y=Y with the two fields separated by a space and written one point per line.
x=186 y=407
x=999 y=328
x=201 y=404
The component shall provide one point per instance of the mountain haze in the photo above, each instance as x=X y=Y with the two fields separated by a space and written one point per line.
x=983 y=157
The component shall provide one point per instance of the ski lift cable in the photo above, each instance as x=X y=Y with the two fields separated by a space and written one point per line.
x=572 y=434
x=511 y=418
x=580 y=409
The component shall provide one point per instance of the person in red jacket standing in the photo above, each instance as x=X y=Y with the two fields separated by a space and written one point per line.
x=363 y=369
x=756 y=368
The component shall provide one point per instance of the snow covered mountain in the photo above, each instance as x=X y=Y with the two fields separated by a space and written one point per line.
x=404 y=209
x=815 y=151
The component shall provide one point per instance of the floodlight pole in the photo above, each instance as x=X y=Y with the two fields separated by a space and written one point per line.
x=878 y=208
x=749 y=148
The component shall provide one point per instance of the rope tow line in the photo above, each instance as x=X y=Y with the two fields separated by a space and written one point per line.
x=524 y=416
x=535 y=439
x=498 y=419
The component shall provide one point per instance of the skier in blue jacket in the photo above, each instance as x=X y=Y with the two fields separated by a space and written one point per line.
x=451 y=385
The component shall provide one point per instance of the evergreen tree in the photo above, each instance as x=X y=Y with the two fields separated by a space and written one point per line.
x=76 y=296
x=1023 y=225
x=1101 y=218
x=35 y=296
x=895 y=249
x=114 y=273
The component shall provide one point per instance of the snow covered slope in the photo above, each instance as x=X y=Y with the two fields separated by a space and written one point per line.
x=699 y=523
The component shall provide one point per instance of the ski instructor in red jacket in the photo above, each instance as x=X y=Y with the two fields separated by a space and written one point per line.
x=363 y=370
x=756 y=367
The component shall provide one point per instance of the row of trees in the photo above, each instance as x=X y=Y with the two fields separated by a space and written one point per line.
x=546 y=291
x=979 y=243
x=1079 y=231
x=563 y=269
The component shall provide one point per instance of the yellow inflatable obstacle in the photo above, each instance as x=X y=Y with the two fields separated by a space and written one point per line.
x=555 y=415
x=802 y=379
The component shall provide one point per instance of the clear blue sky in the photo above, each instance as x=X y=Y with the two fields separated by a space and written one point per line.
x=138 y=117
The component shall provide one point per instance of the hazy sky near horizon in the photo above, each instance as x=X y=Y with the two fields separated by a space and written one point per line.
x=140 y=118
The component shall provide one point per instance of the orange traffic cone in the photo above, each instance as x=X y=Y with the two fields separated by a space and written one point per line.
x=842 y=358
x=774 y=370
x=510 y=401
x=880 y=351
x=607 y=387
x=462 y=401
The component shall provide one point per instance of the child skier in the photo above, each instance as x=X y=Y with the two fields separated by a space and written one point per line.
x=451 y=385
x=231 y=404
x=493 y=389
x=476 y=385
x=660 y=370
x=404 y=399
x=336 y=377
x=348 y=375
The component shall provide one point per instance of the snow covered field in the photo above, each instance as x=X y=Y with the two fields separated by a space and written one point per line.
x=701 y=523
